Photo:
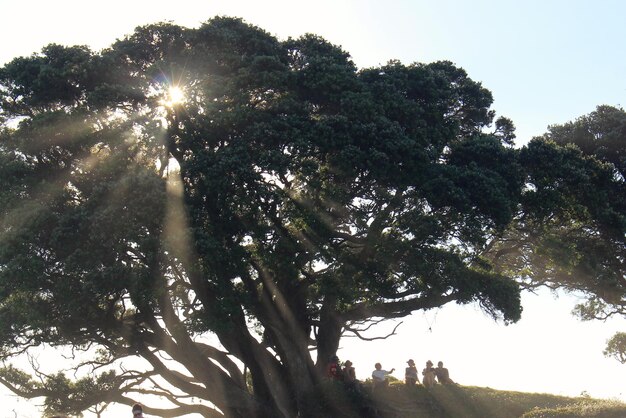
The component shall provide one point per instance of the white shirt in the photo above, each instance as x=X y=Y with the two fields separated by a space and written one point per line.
x=380 y=374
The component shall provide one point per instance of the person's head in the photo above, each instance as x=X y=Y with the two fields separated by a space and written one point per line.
x=440 y=364
x=378 y=366
x=411 y=362
x=348 y=363
x=334 y=359
x=137 y=410
x=429 y=363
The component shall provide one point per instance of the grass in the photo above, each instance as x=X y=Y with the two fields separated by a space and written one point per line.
x=588 y=408
x=455 y=401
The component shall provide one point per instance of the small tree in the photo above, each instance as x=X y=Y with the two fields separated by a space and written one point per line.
x=616 y=347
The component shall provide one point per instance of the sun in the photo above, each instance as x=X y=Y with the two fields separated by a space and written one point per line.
x=175 y=95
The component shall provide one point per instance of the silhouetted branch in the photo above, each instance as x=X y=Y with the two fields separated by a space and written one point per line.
x=357 y=332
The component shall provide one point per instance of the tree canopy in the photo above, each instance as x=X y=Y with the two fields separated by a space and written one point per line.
x=285 y=198
x=596 y=240
x=577 y=242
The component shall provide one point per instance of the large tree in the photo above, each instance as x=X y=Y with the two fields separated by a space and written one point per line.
x=222 y=204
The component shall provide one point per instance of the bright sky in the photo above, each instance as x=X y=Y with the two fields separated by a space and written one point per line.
x=545 y=61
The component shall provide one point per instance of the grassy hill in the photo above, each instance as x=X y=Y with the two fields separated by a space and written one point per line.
x=455 y=401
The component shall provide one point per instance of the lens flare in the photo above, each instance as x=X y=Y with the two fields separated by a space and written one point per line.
x=175 y=95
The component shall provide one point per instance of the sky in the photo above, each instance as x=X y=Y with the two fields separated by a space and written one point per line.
x=545 y=61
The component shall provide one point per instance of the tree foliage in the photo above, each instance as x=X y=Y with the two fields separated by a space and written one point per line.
x=616 y=347
x=579 y=192
x=602 y=135
x=289 y=199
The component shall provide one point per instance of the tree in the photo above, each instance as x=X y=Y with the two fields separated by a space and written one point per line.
x=616 y=347
x=289 y=198
x=602 y=135
x=577 y=174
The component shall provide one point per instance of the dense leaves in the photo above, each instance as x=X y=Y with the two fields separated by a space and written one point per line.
x=288 y=199
x=573 y=234
x=601 y=134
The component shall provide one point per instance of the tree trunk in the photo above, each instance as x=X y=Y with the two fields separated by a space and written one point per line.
x=329 y=333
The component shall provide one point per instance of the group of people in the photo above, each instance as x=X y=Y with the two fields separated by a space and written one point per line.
x=430 y=375
x=344 y=374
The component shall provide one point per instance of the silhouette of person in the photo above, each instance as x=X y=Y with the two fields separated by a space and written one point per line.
x=349 y=374
x=429 y=375
x=443 y=376
x=379 y=376
x=137 y=411
x=410 y=374
x=333 y=371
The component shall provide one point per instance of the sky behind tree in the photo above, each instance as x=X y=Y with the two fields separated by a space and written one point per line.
x=546 y=62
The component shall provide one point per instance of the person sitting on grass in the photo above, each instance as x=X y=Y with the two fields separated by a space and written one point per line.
x=429 y=375
x=333 y=371
x=349 y=374
x=379 y=376
x=443 y=376
x=410 y=374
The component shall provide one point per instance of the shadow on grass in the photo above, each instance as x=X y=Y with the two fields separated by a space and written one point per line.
x=450 y=401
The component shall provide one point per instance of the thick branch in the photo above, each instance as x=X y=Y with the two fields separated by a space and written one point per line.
x=395 y=309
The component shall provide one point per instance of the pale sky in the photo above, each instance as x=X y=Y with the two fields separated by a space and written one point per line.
x=546 y=62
